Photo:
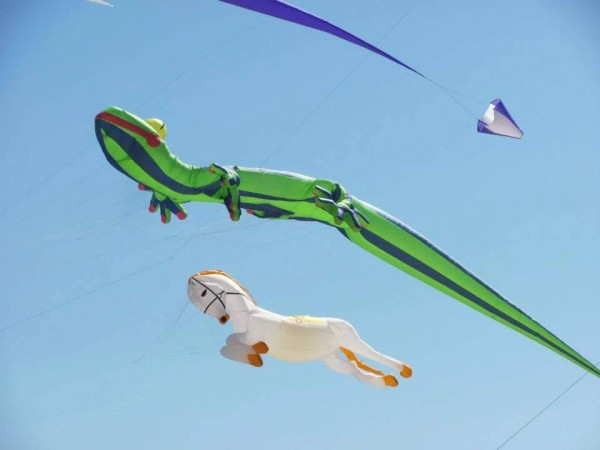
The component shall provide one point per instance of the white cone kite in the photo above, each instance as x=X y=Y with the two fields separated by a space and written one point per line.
x=497 y=120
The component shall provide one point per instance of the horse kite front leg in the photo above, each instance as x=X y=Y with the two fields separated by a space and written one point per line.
x=350 y=340
x=236 y=349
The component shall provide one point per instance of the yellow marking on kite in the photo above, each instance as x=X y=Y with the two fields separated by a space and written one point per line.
x=305 y=319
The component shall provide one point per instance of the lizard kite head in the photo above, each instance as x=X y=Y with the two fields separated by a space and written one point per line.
x=137 y=148
x=134 y=146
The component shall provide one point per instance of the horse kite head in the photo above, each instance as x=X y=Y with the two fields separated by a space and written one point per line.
x=208 y=291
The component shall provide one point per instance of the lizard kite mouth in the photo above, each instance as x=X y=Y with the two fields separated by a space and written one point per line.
x=152 y=139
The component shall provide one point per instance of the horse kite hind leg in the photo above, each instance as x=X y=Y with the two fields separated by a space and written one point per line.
x=360 y=371
x=350 y=343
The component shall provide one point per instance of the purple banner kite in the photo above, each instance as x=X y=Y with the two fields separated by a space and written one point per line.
x=285 y=11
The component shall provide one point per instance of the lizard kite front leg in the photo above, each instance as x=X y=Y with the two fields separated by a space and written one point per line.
x=230 y=180
x=228 y=192
x=165 y=204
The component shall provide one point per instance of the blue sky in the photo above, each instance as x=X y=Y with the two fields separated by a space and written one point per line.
x=235 y=87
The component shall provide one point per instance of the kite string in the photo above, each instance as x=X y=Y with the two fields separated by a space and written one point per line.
x=449 y=92
x=110 y=283
x=335 y=88
x=164 y=334
x=80 y=296
x=445 y=89
x=400 y=20
x=479 y=101
x=189 y=68
x=113 y=282
x=545 y=408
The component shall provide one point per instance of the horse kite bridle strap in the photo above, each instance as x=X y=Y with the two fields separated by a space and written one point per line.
x=217 y=296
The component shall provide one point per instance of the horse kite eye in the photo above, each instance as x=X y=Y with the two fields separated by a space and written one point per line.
x=203 y=293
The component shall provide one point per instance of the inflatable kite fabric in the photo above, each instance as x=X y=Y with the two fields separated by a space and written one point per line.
x=291 y=338
x=137 y=148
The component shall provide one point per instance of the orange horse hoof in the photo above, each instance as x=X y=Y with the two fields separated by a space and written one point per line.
x=390 y=380
x=406 y=371
x=255 y=360
x=260 y=348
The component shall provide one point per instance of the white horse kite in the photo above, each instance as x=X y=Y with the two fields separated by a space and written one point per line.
x=291 y=338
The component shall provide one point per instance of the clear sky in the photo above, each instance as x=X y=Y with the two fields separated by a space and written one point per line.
x=235 y=87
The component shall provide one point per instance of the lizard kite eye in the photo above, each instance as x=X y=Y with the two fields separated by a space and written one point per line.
x=158 y=126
